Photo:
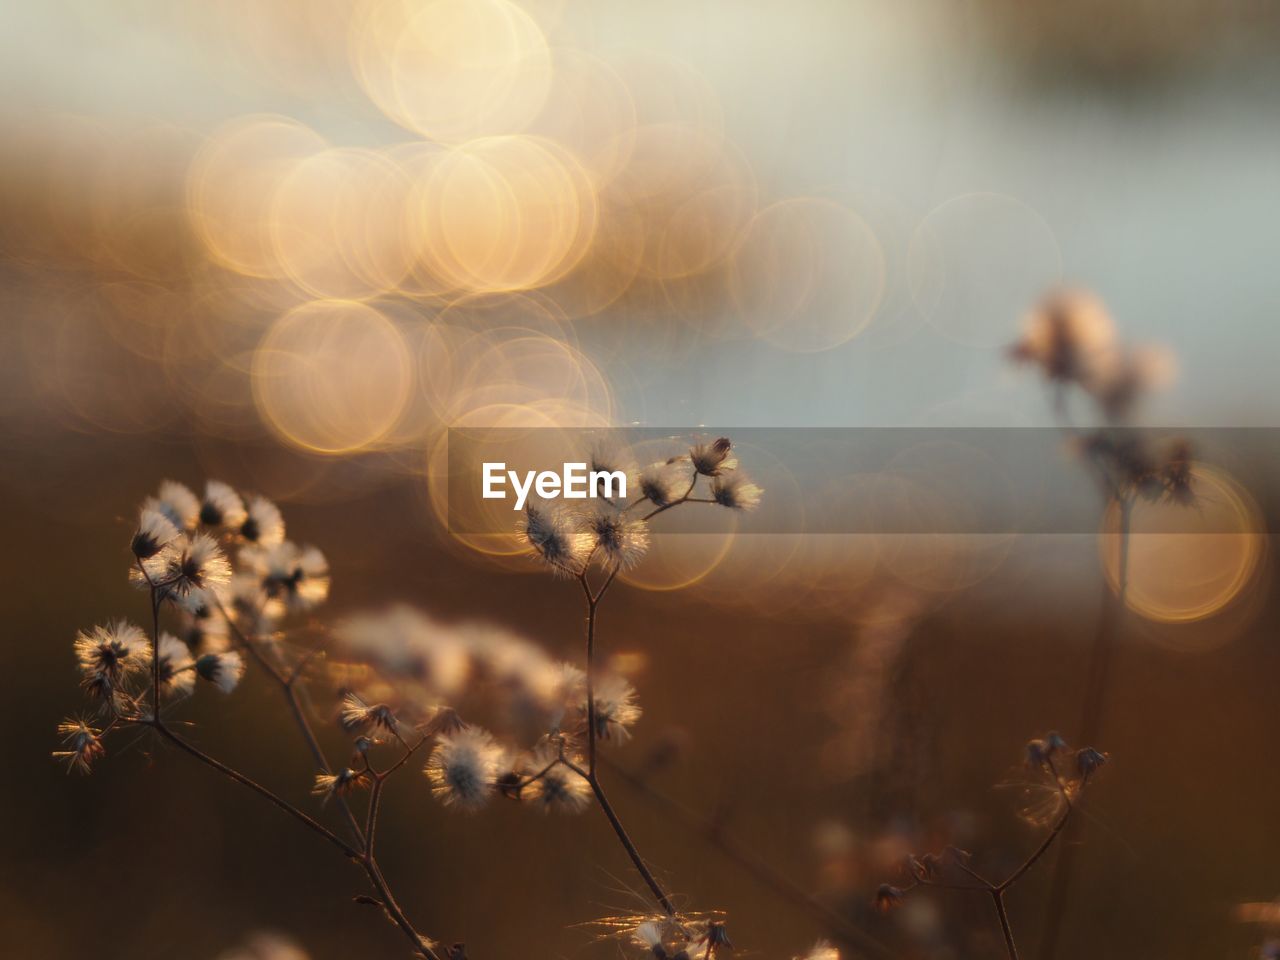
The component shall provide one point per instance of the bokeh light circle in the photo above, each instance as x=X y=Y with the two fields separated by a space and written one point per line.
x=809 y=275
x=976 y=261
x=1187 y=563
x=332 y=376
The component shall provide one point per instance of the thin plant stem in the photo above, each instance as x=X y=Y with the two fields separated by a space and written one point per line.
x=1099 y=673
x=757 y=867
x=998 y=890
x=997 y=897
x=641 y=867
x=315 y=826
x=364 y=857
x=288 y=689
x=593 y=599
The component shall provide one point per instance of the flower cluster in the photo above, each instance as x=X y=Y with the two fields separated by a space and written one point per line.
x=223 y=582
x=614 y=533
x=415 y=673
x=214 y=565
x=1070 y=337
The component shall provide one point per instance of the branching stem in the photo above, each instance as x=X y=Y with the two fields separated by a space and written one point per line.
x=364 y=856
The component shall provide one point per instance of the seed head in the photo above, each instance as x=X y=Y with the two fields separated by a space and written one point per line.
x=337 y=784
x=552 y=534
x=619 y=540
x=81 y=745
x=223 y=670
x=109 y=654
x=616 y=709
x=709 y=459
x=179 y=504
x=186 y=564
x=177 y=669
x=559 y=788
x=1067 y=334
x=155 y=531
x=660 y=483
x=293 y=579
x=464 y=768
x=732 y=488
x=263 y=524
x=359 y=717
x=222 y=506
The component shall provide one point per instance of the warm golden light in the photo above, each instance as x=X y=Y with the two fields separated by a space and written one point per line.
x=1179 y=575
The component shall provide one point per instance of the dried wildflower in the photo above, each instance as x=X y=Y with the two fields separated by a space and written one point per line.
x=356 y=716
x=559 y=788
x=248 y=604
x=177 y=669
x=608 y=458
x=619 y=540
x=1067 y=334
x=204 y=628
x=109 y=654
x=337 y=784
x=187 y=564
x=1089 y=760
x=294 y=579
x=464 y=768
x=649 y=936
x=179 y=504
x=715 y=937
x=445 y=722
x=550 y=530
x=568 y=693
x=82 y=745
x=709 y=459
x=405 y=644
x=222 y=506
x=223 y=670
x=263 y=524
x=155 y=531
x=662 y=483
x=616 y=709
x=732 y=488
x=1119 y=377
x=887 y=897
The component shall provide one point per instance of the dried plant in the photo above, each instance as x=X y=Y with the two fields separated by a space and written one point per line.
x=1070 y=337
x=1062 y=776
x=227 y=591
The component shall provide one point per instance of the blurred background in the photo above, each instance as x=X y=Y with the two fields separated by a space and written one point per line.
x=290 y=245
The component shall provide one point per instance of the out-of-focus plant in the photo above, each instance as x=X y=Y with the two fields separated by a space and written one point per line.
x=1062 y=776
x=227 y=591
x=1070 y=337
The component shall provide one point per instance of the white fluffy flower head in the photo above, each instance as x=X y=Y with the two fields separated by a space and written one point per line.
x=464 y=768
x=552 y=533
x=618 y=539
x=222 y=506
